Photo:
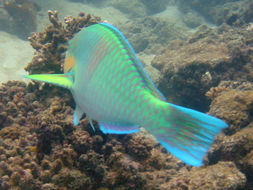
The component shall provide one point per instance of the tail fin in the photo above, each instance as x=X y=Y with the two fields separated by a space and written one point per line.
x=186 y=133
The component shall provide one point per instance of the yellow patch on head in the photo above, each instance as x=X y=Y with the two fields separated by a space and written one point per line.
x=69 y=63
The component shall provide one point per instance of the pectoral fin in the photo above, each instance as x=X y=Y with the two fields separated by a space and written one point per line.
x=63 y=80
x=78 y=113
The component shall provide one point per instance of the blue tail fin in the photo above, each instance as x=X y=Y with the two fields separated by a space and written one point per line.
x=186 y=133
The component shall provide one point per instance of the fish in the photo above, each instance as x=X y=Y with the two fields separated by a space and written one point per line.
x=110 y=85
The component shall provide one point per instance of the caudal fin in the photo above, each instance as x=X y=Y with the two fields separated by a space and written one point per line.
x=186 y=133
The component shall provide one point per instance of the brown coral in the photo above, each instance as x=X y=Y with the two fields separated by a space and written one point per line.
x=68 y=157
x=234 y=106
x=191 y=67
x=215 y=91
x=50 y=45
x=223 y=175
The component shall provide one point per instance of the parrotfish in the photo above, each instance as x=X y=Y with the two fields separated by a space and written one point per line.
x=110 y=85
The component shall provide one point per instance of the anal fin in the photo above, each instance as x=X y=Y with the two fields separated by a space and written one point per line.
x=118 y=129
x=91 y=124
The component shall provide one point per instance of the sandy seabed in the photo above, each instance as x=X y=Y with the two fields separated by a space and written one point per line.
x=14 y=55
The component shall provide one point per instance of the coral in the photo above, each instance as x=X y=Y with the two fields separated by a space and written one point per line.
x=50 y=45
x=47 y=151
x=71 y=179
x=191 y=67
x=138 y=146
x=20 y=112
x=223 y=175
x=16 y=104
x=79 y=159
x=48 y=186
x=247 y=165
x=23 y=17
x=215 y=91
x=234 y=105
x=234 y=147
x=82 y=140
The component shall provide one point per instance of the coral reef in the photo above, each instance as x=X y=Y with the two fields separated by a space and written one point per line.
x=41 y=149
x=238 y=97
x=50 y=45
x=20 y=17
x=191 y=67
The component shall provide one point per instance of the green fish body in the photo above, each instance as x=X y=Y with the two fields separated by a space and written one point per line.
x=109 y=84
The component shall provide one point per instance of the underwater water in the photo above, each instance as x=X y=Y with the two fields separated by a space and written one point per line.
x=197 y=53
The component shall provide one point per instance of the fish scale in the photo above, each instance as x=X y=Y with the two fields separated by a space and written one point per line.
x=109 y=84
x=113 y=68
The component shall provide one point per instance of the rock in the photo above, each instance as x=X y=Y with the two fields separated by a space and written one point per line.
x=234 y=147
x=235 y=107
x=190 y=68
x=193 y=19
x=233 y=102
x=153 y=73
x=153 y=7
x=218 y=12
x=248 y=165
x=149 y=34
x=132 y=8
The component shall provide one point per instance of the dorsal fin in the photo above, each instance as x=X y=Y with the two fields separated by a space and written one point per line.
x=146 y=79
